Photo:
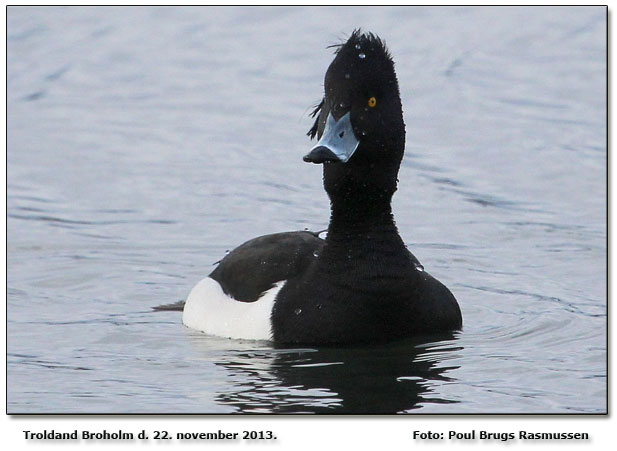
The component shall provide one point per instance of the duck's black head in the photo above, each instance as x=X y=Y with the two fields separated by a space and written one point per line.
x=360 y=120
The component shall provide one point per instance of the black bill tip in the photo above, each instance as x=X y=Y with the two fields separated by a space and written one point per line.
x=320 y=154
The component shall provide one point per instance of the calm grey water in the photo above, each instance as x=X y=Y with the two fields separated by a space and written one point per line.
x=143 y=143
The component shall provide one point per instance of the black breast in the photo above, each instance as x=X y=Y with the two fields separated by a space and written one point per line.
x=368 y=292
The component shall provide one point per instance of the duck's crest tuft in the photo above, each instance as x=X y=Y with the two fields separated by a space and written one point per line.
x=360 y=40
x=313 y=131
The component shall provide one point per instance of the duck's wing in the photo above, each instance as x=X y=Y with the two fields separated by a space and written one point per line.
x=257 y=265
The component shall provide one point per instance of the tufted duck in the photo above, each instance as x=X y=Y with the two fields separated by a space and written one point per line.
x=360 y=284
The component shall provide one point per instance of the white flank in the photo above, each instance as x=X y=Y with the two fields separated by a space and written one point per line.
x=212 y=311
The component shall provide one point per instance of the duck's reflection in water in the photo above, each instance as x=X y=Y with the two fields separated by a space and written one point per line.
x=374 y=379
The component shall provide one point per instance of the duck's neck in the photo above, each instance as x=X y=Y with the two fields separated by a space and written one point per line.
x=361 y=217
x=360 y=194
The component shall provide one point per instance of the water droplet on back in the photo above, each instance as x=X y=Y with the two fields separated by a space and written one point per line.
x=298 y=311
x=358 y=47
x=361 y=56
x=419 y=267
x=227 y=252
x=316 y=254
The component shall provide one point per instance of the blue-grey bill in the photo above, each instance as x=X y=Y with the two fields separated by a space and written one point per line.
x=339 y=138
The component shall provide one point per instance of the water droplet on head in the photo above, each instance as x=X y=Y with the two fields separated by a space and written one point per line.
x=298 y=311
x=419 y=267
x=316 y=254
x=361 y=56
x=358 y=47
x=306 y=229
x=363 y=132
x=319 y=306
x=227 y=252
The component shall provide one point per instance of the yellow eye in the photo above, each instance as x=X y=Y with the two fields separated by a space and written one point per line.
x=372 y=102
